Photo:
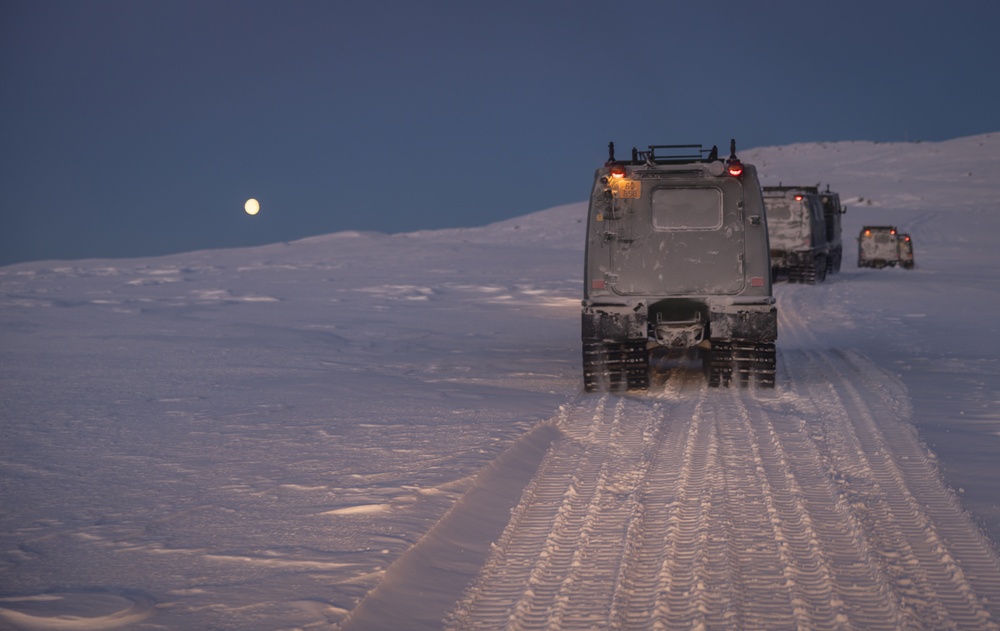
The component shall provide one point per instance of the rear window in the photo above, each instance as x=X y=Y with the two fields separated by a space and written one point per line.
x=678 y=209
x=779 y=210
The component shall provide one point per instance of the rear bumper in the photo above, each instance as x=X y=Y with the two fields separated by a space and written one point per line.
x=695 y=320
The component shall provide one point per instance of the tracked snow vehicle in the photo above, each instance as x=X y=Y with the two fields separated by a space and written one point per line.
x=878 y=246
x=797 y=228
x=677 y=259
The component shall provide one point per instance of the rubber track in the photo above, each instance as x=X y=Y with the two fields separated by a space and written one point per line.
x=743 y=360
x=615 y=366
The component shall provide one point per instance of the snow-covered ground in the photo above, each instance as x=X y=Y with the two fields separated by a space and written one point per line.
x=249 y=438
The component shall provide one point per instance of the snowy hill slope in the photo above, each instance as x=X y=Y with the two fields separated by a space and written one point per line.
x=249 y=438
x=951 y=175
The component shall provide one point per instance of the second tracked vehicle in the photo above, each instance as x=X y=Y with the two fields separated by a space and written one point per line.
x=797 y=228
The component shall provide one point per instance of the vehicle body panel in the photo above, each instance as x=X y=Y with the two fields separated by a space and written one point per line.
x=832 y=213
x=905 y=251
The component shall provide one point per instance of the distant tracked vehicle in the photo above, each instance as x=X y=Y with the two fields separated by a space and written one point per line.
x=878 y=246
x=677 y=258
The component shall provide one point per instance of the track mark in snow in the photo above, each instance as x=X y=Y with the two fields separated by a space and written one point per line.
x=420 y=586
x=813 y=506
x=942 y=567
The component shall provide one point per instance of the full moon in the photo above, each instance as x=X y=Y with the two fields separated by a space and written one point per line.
x=252 y=206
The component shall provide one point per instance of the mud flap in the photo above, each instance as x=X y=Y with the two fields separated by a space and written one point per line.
x=748 y=322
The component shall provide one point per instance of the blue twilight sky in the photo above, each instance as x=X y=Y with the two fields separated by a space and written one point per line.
x=136 y=128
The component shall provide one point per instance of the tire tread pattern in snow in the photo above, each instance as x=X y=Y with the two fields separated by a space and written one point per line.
x=809 y=506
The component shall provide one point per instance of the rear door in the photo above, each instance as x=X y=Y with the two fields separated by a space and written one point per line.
x=786 y=223
x=683 y=238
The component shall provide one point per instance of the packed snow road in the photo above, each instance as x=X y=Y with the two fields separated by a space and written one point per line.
x=813 y=506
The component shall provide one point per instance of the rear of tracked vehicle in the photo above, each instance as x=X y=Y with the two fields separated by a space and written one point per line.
x=878 y=246
x=677 y=259
x=796 y=229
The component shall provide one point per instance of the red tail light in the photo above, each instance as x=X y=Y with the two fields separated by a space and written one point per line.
x=798 y=198
x=618 y=171
x=735 y=168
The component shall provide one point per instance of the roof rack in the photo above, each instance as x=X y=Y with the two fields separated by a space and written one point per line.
x=668 y=154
